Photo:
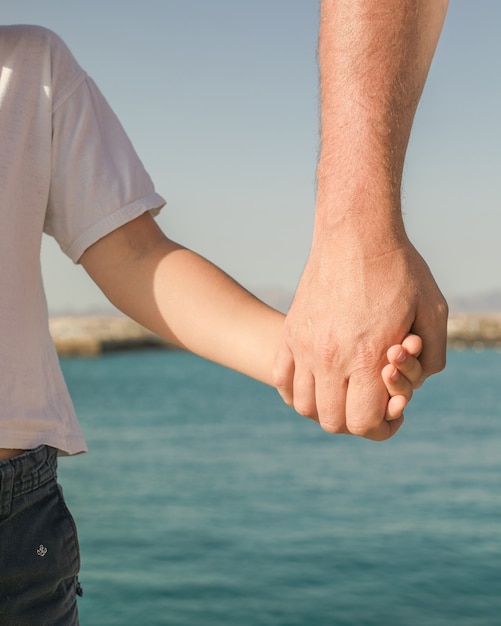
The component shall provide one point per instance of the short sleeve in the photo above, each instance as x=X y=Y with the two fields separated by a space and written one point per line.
x=98 y=183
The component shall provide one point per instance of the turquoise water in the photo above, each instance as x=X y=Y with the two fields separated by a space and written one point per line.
x=206 y=502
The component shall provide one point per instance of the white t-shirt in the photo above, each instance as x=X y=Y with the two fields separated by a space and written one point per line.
x=66 y=168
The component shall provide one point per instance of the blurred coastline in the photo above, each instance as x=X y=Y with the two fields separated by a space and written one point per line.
x=91 y=335
x=474 y=323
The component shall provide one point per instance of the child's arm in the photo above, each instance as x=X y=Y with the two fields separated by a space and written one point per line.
x=184 y=298
x=193 y=304
x=402 y=375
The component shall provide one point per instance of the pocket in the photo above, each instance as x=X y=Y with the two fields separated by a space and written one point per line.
x=69 y=534
x=40 y=558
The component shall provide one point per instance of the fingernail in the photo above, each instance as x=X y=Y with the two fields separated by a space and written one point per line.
x=395 y=375
x=401 y=356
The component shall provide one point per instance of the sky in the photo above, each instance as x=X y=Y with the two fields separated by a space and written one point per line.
x=220 y=99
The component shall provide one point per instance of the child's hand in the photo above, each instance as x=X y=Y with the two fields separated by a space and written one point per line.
x=402 y=375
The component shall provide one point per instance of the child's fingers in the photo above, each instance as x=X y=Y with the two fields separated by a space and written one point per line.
x=402 y=375
x=396 y=383
x=400 y=390
x=413 y=344
x=395 y=408
x=408 y=365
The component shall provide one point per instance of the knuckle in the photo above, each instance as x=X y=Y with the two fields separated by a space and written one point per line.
x=286 y=397
x=279 y=377
x=363 y=427
x=332 y=427
x=366 y=359
x=360 y=431
x=327 y=353
x=304 y=408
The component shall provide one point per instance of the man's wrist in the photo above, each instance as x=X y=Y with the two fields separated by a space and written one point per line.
x=358 y=228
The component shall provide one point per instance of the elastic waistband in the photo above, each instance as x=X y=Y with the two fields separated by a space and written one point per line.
x=25 y=473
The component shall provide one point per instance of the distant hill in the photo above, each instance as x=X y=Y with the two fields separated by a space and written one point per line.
x=475 y=322
x=479 y=304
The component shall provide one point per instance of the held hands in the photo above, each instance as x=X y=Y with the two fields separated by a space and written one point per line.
x=402 y=375
x=346 y=313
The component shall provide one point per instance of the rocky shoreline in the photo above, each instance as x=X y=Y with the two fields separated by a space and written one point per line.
x=96 y=334
x=476 y=332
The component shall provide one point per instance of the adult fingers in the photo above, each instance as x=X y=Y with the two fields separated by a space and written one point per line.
x=296 y=386
x=413 y=344
x=395 y=408
x=283 y=374
x=330 y=392
x=366 y=402
x=304 y=400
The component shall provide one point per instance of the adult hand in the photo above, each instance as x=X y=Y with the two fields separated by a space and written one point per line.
x=364 y=286
x=350 y=307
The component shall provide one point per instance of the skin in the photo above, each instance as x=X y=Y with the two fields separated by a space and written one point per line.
x=402 y=375
x=364 y=287
x=184 y=298
x=193 y=304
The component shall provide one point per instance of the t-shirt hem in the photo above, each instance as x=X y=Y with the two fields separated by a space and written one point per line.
x=152 y=202
x=66 y=446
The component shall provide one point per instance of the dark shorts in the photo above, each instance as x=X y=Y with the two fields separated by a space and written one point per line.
x=39 y=553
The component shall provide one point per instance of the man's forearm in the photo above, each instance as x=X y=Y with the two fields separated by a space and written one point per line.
x=374 y=57
x=364 y=287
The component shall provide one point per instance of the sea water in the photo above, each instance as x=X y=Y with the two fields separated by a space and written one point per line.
x=205 y=501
